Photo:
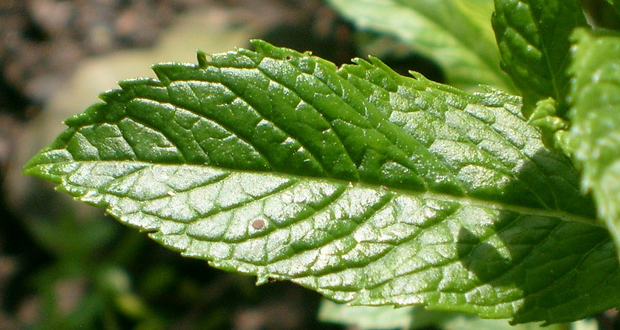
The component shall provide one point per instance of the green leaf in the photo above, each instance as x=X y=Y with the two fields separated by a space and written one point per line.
x=470 y=323
x=602 y=14
x=417 y=317
x=366 y=186
x=455 y=33
x=616 y=4
x=533 y=39
x=595 y=133
x=364 y=317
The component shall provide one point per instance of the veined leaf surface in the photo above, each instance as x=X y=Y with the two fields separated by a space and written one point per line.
x=533 y=40
x=595 y=133
x=369 y=187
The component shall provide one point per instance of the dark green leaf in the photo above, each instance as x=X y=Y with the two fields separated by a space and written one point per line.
x=533 y=39
x=616 y=5
x=369 y=187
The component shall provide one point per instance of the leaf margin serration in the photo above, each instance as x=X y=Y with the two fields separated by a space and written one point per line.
x=263 y=277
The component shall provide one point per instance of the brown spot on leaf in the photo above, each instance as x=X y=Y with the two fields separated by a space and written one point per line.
x=258 y=224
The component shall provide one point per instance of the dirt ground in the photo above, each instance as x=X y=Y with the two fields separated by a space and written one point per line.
x=43 y=42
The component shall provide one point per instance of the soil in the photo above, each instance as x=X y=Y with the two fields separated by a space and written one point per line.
x=41 y=41
x=41 y=44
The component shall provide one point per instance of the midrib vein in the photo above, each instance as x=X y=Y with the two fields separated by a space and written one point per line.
x=563 y=215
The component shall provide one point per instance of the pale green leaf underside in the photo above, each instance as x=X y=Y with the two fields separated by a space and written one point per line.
x=369 y=187
x=363 y=317
x=385 y=317
x=595 y=134
x=455 y=33
x=533 y=39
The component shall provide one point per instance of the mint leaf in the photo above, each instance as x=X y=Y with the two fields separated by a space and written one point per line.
x=616 y=4
x=366 y=186
x=363 y=317
x=471 y=323
x=595 y=133
x=533 y=39
x=418 y=317
x=456 y=34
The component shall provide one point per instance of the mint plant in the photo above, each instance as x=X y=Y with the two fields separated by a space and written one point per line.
x=374 y=188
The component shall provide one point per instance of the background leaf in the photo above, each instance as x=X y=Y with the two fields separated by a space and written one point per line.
x=615 y=3
x=364 y=317
x=533 y=39
x=595 y=134
x=455 y=33
x=602 y=14
x=369 y=187
x=470 y=323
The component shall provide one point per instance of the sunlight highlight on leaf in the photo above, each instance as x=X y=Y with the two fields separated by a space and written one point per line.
x=366 y=186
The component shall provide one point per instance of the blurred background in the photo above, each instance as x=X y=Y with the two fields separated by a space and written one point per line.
x=64 y=265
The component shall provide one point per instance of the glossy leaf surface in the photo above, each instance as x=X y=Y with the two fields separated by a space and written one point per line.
x=369 y=187
x=533 y=39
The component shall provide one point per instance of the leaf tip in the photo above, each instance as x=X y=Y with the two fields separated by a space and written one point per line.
x=160 y=72
x=264 y=48
x=35 y=168
x=258 y=43
x=579 y=33
x=262 y=279
x=30 y=168
x=203 y=59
